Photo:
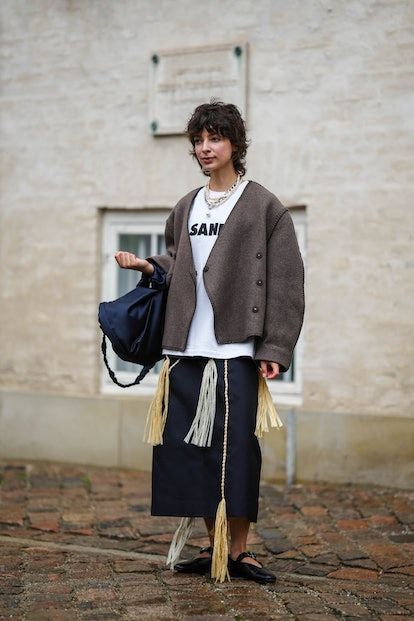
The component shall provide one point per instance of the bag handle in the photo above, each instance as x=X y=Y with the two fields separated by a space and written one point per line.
x=113 y=377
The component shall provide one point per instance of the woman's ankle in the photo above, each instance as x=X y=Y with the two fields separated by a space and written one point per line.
x=235 y=551
x=210 y=523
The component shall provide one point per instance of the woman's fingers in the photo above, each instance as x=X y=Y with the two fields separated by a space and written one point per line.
x=269 y=369
x=128 y=260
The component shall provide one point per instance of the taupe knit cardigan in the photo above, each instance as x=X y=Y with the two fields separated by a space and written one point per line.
x=253 y=276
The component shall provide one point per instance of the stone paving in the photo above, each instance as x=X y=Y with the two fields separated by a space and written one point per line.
x=78 y=542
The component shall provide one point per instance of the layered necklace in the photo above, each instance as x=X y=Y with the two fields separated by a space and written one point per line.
x=216 y=201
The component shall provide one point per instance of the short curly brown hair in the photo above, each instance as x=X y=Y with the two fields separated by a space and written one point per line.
x=226 y=121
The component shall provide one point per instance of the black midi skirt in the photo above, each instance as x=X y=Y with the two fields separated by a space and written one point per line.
x=186 y=479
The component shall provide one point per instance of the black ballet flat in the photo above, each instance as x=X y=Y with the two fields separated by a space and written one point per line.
x=197 y=565
x=248 y=571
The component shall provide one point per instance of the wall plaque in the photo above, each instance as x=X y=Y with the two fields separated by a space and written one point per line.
x=184 y=78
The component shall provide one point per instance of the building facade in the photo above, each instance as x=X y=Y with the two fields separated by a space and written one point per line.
x=94 y=98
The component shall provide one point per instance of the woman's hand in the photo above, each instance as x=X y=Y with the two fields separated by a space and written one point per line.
x=128 y=260
x=269 y=369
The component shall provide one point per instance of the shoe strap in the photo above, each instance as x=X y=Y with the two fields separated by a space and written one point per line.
x=243 y=555
x=208 y=549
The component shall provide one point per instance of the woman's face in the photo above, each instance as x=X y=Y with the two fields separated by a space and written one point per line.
x=214 y=152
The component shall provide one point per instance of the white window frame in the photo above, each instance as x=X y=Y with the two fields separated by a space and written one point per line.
x=152 y=221
x=143 y=221
x=291 y=393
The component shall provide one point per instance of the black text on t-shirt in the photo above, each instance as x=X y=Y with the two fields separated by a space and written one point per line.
x=213 y=228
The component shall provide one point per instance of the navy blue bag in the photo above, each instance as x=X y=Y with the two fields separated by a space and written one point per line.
x=134 y=324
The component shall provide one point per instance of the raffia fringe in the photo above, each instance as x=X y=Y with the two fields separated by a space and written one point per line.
x=179 y=540
x=265 y=409
x=201 y=430
x=157 y=414
x=219 y=562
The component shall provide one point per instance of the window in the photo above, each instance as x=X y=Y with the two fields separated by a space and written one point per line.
x=142 y=232
x=287 y=387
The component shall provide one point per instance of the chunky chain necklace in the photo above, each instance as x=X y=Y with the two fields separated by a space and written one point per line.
x=219 y=200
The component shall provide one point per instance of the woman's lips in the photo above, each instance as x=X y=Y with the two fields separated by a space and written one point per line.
x=207 y=160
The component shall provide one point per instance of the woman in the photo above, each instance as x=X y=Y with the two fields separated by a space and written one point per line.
x=234 y=313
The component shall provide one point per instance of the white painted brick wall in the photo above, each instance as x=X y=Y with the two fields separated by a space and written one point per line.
x=330 y=114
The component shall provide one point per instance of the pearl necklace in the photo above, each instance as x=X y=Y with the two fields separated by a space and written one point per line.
x=213 y=202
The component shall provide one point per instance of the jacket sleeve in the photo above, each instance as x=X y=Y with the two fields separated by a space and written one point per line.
x=167 y=261
x=285 y=299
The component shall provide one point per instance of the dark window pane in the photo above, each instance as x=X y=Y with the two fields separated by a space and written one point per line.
x=160 y=244
x=139 y=245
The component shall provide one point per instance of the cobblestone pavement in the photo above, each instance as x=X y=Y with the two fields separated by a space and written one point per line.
x=78 y=542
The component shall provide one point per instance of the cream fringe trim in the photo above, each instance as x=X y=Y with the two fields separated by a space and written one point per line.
x=158 y=410
x=201 y=430
x=179 y=540
x=265 y=409
x=219 y=562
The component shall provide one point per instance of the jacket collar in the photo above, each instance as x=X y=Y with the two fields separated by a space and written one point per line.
x=230 y=222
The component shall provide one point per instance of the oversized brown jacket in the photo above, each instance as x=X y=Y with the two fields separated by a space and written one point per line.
x=253 y=276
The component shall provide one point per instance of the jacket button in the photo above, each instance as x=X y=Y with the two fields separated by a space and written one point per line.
x=259 y=282
x=259 y=255
x=206 y=268
x=255 y=309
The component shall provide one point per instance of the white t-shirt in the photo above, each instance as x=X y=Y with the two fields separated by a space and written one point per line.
x=203 y=231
